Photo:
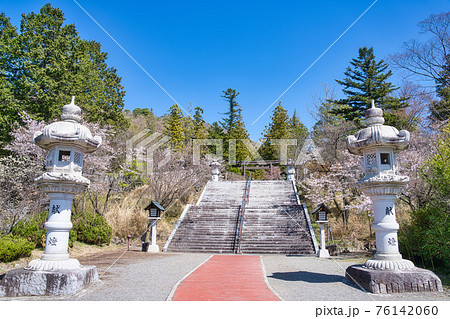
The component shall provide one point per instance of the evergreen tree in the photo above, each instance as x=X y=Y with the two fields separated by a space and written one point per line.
x=174 y=127
x=148 y=115
x=233 y=126
x=278 y=128
x=440 y=110
x=215 y=131
x=45 y=63
x=297 y=130
x=199 y=124
x=366 y=80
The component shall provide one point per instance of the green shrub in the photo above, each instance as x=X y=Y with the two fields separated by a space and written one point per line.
x=425 y=240
x=13 y=247
x=33 y=230
x=91 y=228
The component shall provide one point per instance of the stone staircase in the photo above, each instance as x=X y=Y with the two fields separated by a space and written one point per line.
x=273 y=221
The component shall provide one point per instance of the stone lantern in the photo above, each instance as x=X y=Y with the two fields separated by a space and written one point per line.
x=66 y=141
x=321 y=213
x=154 y=209
x=387 y=271
x=290 y=171
x=215 y=171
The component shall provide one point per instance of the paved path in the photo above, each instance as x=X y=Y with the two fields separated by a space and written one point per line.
x=226 y=278
x=308 y=278
x=142 y=276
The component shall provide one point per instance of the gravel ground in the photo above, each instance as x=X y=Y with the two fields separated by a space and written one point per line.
x=301 y=278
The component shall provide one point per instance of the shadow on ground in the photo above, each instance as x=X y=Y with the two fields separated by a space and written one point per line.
x=312 y=277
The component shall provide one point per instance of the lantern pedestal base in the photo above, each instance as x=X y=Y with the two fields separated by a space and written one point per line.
x=149 y=248
x=53 y=265
x=153 y=249
x=26 y=282
x=323 y=253
x=393 y=280
x=387 y=264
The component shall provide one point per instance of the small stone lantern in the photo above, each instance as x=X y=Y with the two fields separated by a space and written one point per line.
x=290 y=171
x=55 y=273
x=321 y=213
x=215 y=171
x=154 y=214
x=388 y=271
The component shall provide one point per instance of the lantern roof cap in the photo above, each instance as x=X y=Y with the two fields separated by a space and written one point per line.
x=68 y=131
x=154 y=204
x=321 y=207
x=376 y=134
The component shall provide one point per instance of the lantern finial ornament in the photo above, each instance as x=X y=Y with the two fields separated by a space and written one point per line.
x=71 y=112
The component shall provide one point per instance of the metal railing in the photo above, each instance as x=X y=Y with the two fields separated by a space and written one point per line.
x=240 y=221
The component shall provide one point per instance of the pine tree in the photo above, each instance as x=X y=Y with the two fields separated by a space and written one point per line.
x=233 y=126
x=278 y=128
x=174 y=127
x=440 y=110
x=215 y=132
x=366 y=80
x=199 y=124
x=299 y=132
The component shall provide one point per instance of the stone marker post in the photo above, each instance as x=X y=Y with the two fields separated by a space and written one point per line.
x=323 y=251
x=55 y=273
x=388 y=271
x=153 y=248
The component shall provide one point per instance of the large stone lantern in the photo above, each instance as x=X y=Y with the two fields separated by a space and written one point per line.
x=66 y=141
x=378 y=145
x=56 y=273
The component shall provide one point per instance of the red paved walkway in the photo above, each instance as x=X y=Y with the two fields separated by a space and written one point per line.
x=226 y=277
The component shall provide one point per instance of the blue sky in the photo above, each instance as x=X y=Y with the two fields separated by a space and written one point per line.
x=197 y=49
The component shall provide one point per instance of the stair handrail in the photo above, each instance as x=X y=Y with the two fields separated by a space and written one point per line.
x=308 y=220
x=245 y=199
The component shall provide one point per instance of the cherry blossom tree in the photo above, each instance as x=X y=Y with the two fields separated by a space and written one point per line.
x=336 y=186
x=19 y=195
x=412 y=163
